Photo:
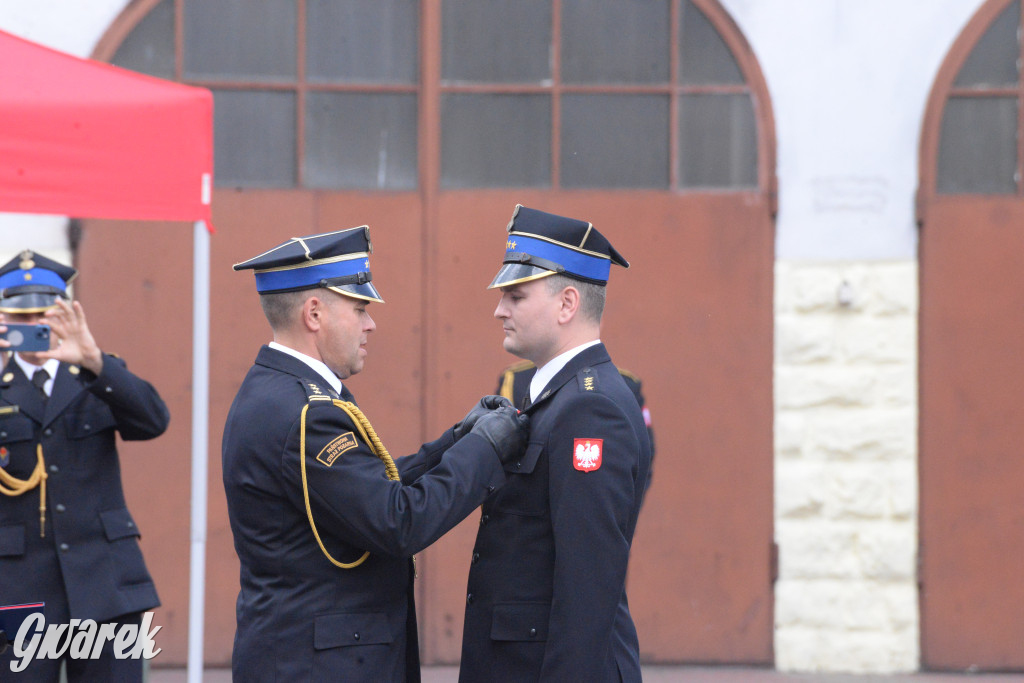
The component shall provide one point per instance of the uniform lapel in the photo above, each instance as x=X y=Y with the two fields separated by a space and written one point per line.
x=66 y=388
x=591 y=355
x=16 y=389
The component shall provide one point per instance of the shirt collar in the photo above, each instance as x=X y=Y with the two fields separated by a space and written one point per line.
x=546 y=374
x=320 y=367
x=51 y=366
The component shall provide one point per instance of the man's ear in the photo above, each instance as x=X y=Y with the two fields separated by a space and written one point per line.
x=569 y=304
x=312 y=313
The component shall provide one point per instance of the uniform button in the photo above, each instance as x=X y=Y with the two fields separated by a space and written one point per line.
x=48 y=432
x=355 y=635
x=483 y=520
x=519 y=465
x=63 y=547
x=3 y=434
x=87 y=427
x=476 y=558
x=490 y=489
x=54 y=468
x=109 y=390
x=533 y=632
x=131 y=524
x=469 y=599
x=60 y=507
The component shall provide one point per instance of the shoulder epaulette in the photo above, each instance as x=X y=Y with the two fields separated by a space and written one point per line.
x=521 y=366
x=314 y=392
x=508 y=377
x=629 y=375
x=587 y=379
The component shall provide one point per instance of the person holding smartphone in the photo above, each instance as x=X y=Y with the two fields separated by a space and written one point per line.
x=66 y=536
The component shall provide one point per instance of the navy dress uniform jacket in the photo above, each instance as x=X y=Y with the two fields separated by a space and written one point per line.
x=88 y=565
x=514 y=384
x=300 y=618
x=546 y=599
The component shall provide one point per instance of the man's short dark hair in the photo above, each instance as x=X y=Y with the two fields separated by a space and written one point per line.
x=280 y=307
x=592 y=295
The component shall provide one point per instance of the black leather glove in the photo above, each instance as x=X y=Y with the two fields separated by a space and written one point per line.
x=486 y=405
x=506 y=429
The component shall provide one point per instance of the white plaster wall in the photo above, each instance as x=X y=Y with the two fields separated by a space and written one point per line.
x=849 y=81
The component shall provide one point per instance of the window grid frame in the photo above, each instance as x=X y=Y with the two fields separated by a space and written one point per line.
x=430 y=87
x=556 y=88
x=944 y=90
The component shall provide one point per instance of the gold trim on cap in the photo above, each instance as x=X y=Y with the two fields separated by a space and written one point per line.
x=546 y=273
x=292 y=240
x=6 y=309
x=339 y=290
x=563 y=244
x=314 y=262
x=590 y=226
x=508 y=228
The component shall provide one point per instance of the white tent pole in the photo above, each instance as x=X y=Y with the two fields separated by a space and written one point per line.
x=200 y=439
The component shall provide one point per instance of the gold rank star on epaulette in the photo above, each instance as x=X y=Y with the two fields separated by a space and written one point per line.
x=314 y=392
x=587 y=380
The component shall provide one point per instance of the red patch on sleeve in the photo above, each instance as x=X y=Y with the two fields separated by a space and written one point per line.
x=586 y=454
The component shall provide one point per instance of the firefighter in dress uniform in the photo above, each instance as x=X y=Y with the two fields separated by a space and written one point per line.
x=325 y=522
x=66 y=536
x=546 y=598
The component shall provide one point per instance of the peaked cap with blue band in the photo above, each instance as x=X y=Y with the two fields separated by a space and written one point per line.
x=540 y=244
x=339 y=261
x=32 y=283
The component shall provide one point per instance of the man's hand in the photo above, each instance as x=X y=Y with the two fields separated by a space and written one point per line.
x=486 y=405
x=506 y=429
x=75 y=344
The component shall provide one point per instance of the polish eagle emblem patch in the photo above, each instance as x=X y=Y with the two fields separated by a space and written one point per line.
x=586 y=454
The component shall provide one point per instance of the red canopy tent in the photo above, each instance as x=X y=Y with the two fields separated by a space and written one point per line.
x=86 y=139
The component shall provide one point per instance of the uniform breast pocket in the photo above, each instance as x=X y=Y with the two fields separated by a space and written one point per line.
x=14 y=429
x=18 y=455
x=90 y=422
x=353 y=647
x=525 y=493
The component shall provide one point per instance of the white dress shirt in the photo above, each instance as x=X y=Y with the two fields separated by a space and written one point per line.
x=551 y=368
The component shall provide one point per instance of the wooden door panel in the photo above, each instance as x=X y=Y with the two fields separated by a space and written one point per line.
x=972 y=428
x=692 y=317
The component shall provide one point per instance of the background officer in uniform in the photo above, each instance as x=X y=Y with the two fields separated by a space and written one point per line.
x=546 y=599
x=324 y=521
x=66 y=536
x=514 y=384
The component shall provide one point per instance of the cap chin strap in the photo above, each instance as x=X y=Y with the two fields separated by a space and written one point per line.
x=370 y=437
x=356 y=279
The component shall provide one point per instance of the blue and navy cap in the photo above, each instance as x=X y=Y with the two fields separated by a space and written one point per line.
x=541 y=244
x=339 y=261
x=32 y=283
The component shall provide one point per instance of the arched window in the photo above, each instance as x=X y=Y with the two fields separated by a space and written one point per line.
x=534 y=93
x=307 y=93
x=980 y=141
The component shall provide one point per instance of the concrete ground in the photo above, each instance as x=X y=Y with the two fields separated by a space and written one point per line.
x=675 y=674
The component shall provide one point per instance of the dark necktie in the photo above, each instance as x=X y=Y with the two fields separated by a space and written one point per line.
x=39 y=378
